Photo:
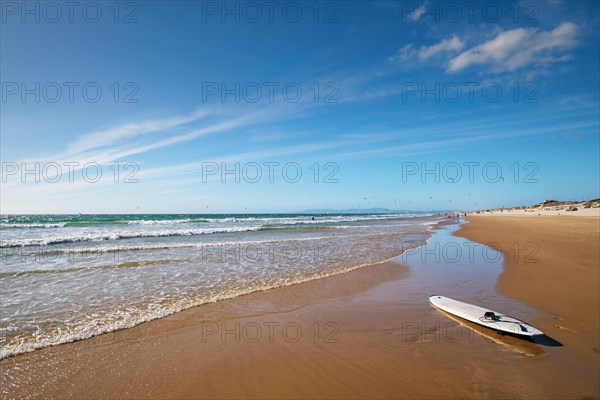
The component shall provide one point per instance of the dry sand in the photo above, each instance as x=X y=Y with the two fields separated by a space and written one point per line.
x=543 y=211
x=370 y=333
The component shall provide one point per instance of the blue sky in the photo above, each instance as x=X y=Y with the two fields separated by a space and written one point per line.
x=404 y=105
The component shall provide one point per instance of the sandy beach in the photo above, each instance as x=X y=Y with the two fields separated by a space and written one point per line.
x=543 y=212
x=551 y=263
x=303 y=200
x=369 y=333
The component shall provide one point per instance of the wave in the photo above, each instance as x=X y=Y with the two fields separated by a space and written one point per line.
x=75 y=221
x=277 y=227
x=105 y=236
x=88 y=223
x=167 y=221
x=173 y=227
x=96 y=223
x=32 y=226
x=150 y=247
x=128 y=264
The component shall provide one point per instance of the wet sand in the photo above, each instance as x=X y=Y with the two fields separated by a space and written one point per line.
x=553 y=264
x=369 y=333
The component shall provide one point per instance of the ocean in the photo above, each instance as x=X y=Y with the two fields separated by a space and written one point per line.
x=70 y=277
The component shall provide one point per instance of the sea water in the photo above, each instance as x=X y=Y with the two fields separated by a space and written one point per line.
x=69 y=277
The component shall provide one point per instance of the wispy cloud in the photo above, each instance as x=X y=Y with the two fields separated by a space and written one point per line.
x=404 y=54
x=454 y=44
x=415 y=15
x=507 y=51
x=478 y=134
x=131 y=130
x=221 y=126
x=408 y=52
x=519 y=48
x=132 y=138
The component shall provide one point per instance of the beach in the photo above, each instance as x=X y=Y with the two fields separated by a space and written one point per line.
x=552 y=263
x=367 y=333
x=300 y=200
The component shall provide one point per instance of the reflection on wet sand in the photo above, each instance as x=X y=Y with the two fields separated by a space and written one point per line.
x=522 y=344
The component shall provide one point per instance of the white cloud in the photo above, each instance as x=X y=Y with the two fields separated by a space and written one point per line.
x=404 y=54
x=408 y=52
x=415 y=15
x=130 y=130
x=454 y=44
x=518 y=48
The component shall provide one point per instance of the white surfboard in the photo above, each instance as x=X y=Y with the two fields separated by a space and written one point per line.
x=484 y=316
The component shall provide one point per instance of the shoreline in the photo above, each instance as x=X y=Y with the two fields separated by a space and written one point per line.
x=369 y=333
x=72 y=338
x=158 y=266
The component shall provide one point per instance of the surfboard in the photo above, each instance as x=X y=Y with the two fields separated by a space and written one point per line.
x=483 y=316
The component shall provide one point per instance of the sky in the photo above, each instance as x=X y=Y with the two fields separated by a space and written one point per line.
x=254 y=107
